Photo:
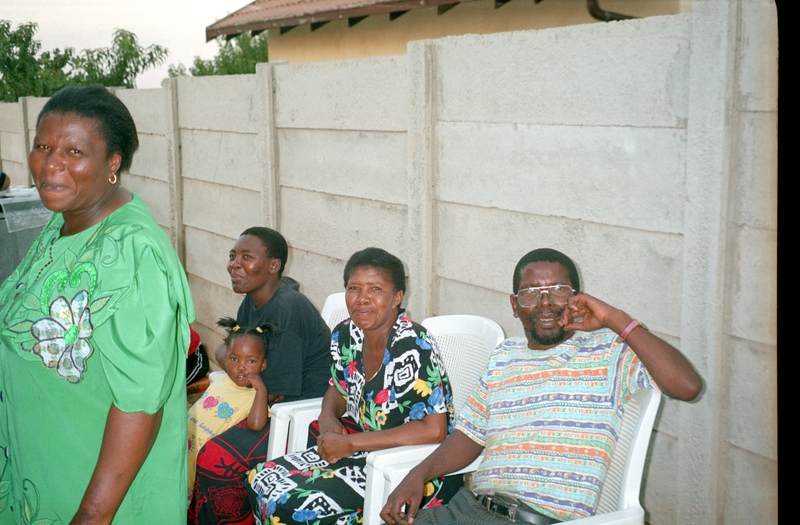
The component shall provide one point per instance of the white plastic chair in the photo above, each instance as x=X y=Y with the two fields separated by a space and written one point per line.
x=289 y=421
x=334 y=311
x=465 y=343
x=619 y=498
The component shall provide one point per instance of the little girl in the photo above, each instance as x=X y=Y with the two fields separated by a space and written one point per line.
x=233 y=397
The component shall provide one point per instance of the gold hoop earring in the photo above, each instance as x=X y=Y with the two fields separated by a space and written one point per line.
x=113 y=179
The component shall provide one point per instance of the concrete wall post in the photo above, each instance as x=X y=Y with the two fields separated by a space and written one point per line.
x=267 y=151
x=421 y=109
x=708 y=148
x=172 y=132
x=26 y=137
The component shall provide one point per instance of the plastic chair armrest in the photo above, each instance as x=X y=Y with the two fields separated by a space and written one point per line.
x=281 y=422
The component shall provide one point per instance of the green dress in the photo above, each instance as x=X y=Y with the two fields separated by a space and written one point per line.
x=88 y=320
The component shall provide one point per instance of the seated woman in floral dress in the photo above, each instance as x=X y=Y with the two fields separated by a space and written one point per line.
x=388 y=379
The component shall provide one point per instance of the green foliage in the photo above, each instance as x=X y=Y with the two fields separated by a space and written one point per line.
x=235 y=57
x=117 y=65
x=23 y=73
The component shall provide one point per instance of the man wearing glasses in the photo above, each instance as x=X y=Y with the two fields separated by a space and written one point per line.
x=547 y=410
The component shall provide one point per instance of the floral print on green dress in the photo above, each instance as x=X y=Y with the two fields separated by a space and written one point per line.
x=63 y=338
x=61 y=328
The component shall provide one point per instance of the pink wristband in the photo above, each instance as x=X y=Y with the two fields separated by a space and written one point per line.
x=628 y=329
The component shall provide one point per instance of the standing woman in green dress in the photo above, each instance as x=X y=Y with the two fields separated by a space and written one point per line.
x=94 y=330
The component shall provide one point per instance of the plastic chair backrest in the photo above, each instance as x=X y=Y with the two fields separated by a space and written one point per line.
x=624 y=477
x=334 y=311
x=465 y=343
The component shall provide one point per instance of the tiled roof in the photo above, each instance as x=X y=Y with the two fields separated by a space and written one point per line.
x=265 y=14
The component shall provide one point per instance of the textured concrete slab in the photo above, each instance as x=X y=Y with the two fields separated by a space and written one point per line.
x=13 y=148
x=753 y=285
x=219 y=209
x=753 y=394
x=224 y=158
x=152 y=192
x=207 y=256
x=338 y=226
x=10 y=117
x=222 y=103
x=364 y=94
x=631 y=73
x=757 y=170
x=753 y=499
x=648 y=264
x=365 y=164
x=150 y=160
x=625 y=176
x=147 y=107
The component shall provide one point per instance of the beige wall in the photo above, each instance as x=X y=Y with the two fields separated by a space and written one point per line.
x=645 y=149
x=378 y=36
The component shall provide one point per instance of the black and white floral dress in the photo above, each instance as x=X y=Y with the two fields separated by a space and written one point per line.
x=410 y=384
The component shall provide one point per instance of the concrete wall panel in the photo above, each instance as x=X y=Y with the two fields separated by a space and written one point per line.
x=757 y=152
x=212 y=301
x=365 y=94
x=318 y=275
x=338 y=226
x=154 y=193
x=361 y=164
x=623 y=176
x=631 y=73
x=224 y=158
x=753 y=500
x=150 y=160
x=753 y=394
x=207 y=256
x=13 y=148
x=219 y=209
x=147 y=108
x=17 y=171
x=648 y=264
x=754 y=292
x=454 y=297
x=35 y=106
x=10 y=117
x=758 y=55
x=223 y=103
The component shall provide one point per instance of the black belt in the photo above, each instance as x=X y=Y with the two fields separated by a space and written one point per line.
x=512 y=509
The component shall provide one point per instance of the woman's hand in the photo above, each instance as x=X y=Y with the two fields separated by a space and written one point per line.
x=430 y=429
x=327 y=425
x=333 y=446
x=333 y=407
x=127 y=440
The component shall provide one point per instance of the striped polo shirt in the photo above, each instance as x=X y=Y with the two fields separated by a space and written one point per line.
x=549 y=419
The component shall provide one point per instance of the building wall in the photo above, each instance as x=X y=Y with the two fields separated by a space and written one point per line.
x=646 y=150
x=378 y=35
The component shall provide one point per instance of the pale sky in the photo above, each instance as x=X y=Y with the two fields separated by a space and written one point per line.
x=179 y=25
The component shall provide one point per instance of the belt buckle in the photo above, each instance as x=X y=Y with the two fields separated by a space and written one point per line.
x=501 y=506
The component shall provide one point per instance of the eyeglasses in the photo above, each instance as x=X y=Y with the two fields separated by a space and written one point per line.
x=558 y=294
